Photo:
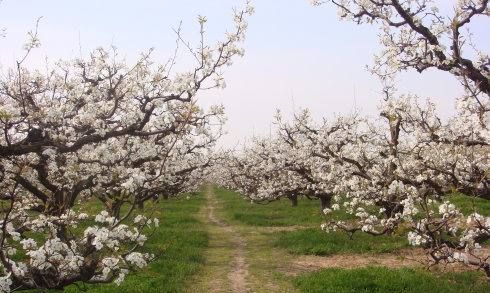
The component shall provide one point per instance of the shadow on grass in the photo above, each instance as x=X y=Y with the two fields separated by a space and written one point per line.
x=277 y=213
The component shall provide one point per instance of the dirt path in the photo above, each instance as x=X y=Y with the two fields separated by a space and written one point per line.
x=226 y=269
x=415 y=257
x=241 y=258
x=308 y=263
x=238 y=271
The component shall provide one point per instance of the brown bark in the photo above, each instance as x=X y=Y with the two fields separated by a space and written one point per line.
x=325 y=201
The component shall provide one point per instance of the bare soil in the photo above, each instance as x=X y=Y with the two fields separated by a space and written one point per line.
x=238 y=268
x=403 y=258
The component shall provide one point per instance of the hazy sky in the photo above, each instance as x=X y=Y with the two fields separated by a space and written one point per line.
x=296 y=56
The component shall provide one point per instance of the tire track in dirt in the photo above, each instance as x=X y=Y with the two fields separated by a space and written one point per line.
x=238 y=271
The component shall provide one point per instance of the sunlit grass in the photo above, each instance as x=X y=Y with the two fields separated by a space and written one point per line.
x=470 y=204
x=385 y=280
x=318 y=242
x=276 y=213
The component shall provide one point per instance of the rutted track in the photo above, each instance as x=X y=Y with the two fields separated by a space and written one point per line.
x=226 y=269
x=238 y=270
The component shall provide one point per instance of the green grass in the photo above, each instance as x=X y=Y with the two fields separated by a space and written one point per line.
x=179 y=241
x=276 y=213
x=379 y=279
x=469 y=204
x=307 y=213
x=317 y=242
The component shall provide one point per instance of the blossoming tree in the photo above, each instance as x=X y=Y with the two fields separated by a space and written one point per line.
x=441 y=157
x=395 y=173
x=98 y=129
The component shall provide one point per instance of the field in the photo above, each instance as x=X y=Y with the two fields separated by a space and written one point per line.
x=354 y=160
x=218 y=242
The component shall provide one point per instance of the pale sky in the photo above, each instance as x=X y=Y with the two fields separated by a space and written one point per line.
x=297 y=56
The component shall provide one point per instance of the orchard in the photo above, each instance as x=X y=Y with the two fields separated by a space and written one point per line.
x=94 y=150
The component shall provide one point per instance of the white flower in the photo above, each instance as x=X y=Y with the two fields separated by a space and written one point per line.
x=28 y=244
x=5 y=283
x=121 y=276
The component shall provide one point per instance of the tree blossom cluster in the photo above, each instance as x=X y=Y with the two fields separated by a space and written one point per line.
x=86 y=142
x=394 y=173
x=417 y=34
x=269 y=169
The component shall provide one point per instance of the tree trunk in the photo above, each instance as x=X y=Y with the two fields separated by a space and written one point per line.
x=141 y=205
x=325 y=201
x=115 y=209
x=294 y=200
